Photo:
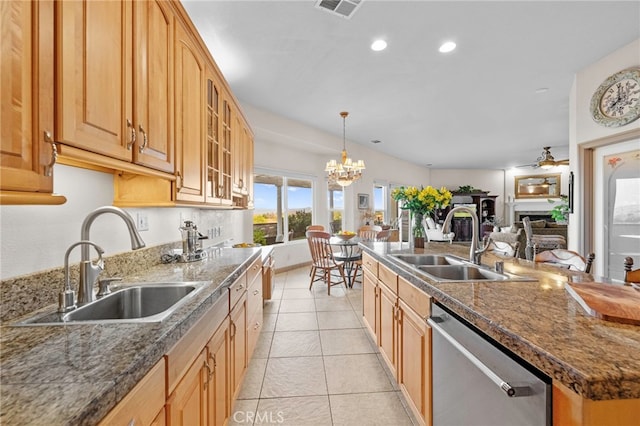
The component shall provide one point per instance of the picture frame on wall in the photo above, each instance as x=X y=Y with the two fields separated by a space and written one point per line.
x=363 y=201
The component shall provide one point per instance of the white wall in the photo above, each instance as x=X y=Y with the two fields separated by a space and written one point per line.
x=35 y=238
x=586 y=133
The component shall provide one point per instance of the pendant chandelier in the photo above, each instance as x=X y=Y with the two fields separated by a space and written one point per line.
x=347 y=171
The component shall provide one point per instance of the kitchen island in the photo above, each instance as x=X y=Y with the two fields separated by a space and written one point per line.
x=593 y=364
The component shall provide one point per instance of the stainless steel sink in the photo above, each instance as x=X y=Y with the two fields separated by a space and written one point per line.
x=462 y=273
x=148 y=302
x=450 y=268
x=428 y=259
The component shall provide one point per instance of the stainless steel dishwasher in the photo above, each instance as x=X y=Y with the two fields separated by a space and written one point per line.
x=476 y=383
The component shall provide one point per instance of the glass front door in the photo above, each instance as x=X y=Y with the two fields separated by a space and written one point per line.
x=618 y=172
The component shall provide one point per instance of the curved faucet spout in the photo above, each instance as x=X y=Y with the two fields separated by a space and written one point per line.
x=136 y=240
x=87 y=279
x=474 y=253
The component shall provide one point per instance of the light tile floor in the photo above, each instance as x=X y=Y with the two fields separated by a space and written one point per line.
x=315 y=363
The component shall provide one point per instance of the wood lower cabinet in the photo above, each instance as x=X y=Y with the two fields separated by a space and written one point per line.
x=268 y=276
x=187 y=404
x=370 y=302
x=26 y=101
x=144 y=405
x=414 y=361
x=218 y=386
x=388 y=329
x=396 y=314
x=238 y=357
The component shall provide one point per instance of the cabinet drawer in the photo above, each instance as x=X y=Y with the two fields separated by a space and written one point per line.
x=370 y=263
x=254 y=271
x=254 y=327
x=143 y=403
x=236 y=290
x=388 y=277
x=417 y=299
x=182 y=354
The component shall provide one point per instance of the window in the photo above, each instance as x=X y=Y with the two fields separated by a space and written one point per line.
x=336 y=207
x=281 y=202
x=380 y=205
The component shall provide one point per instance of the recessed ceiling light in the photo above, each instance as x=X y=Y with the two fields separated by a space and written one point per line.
x=447 y=47
x=376 y=141
x=378 y=45
x=542 y=90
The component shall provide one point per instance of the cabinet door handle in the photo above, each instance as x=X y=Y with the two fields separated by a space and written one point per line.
x=48 y=169
x=255 y=292
x=213 y=358
x=209 y=373
x=240 y=287
x=233 y=329
x=178 y=180
x=145 y=140
x=132 y=134
x=257 y=326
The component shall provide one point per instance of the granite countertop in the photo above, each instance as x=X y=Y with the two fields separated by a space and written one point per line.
x=539 y=321
x=75 y=374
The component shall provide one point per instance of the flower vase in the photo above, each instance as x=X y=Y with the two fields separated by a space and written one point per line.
x=417 y=231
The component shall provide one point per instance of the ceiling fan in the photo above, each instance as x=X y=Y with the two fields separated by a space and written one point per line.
x=546 y=160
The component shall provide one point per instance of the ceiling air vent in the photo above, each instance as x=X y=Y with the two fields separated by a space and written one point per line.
x=343 y=8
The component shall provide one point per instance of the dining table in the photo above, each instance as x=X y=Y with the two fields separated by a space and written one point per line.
x=348 y=253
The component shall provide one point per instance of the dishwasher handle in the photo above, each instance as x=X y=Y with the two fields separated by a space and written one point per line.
x=509 y=390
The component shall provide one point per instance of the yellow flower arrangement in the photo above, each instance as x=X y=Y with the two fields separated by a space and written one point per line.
x=424 y=200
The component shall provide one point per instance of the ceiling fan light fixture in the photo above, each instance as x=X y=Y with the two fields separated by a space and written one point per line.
x=346 y=171
x=546 y=160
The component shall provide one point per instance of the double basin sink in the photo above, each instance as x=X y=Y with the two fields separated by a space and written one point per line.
x=449 y=268
x=142 y=303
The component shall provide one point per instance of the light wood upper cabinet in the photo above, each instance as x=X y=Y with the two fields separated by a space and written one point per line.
x=242 y=163
x=218 y=153
x=26 y=102
x=153 y=114
x=190 y=115
x=114 y=88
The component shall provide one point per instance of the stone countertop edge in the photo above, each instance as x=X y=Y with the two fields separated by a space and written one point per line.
x=575 y=358
x=76 y=374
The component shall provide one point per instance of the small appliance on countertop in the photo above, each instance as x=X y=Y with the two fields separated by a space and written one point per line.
x=191 y=243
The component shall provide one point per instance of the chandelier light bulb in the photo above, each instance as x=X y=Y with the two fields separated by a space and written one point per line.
x=347 y=170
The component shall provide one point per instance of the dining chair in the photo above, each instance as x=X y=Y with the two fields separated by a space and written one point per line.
x=369 y=232
x=566 y=258
x=315 y=228
x=630 y=276
x=322 y=259
x=501 y=248
x=381 y=236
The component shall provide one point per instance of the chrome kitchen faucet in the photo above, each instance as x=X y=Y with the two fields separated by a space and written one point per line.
x=475 y=254
x=89 y=275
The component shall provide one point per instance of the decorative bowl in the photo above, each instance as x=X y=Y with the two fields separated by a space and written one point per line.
x=344 y=237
